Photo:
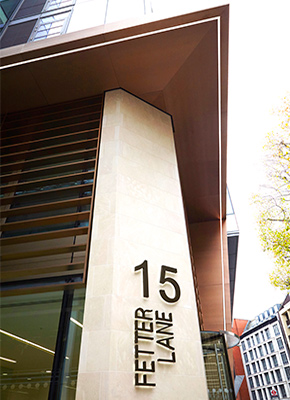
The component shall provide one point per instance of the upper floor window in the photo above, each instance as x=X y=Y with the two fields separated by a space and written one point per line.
x=275 y=361
x=260 y=394
x=273 y=377
x=284 y=358
x=251 y=383
x=33 y=20
x=261 y=351
x=287 y=370
x=55 y=4
x=279 y=376
x=271 y=347
x=254 y=368
x=267 y=331
x=251 y=354
x=276 y=330
x=280 y=343
x=283 y=391
x=257 y=380
x=267 y=378
x=258 y=338
x=49 y=26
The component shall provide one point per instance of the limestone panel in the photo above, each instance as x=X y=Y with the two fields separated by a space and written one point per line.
x=139 y=220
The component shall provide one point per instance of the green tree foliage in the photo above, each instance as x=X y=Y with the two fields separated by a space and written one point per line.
x=274 y=198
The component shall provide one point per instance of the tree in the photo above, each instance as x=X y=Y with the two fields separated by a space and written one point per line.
x=273 y=199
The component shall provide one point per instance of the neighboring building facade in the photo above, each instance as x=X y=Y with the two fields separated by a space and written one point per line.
x=116 y=281
x=266 y=357
x=284 y=317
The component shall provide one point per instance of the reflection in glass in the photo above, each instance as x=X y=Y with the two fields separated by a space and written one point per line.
x=30 y=325
x=218 y=374
x=50 y=26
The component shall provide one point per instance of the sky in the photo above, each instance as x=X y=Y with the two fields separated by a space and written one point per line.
x=259 y=75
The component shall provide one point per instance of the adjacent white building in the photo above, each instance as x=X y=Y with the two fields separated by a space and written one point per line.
x=265 y=355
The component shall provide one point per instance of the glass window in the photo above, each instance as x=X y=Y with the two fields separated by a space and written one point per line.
x=280 y=343
x=271 y=347
x=215 y=353
x=256 y=354
x=273 y=377
x=258 y=366
x=275 y=361
x=261 y=351
x=49 y=26
x=267 y=332
x=251 y=383
x=284 y=358
x=263 y=337
x=267 y=377
x=248 y=343
x=266 y=349
x=246 y=357
x=264 y=363
x=287 y=370
x=260 y=394
x=253 y=395
x=276 y=330
x=283 y=391
x=257 y=380
x=278 y=374
x=29 y=329
x=35 y=330
x=265 y=394
x=253 y=341
x=258 y=338
x=251 y=355
x=269 y=362
x=55 y=4
x=243 y=346
x=6 y=9
x=254 y=368
x=248 y=369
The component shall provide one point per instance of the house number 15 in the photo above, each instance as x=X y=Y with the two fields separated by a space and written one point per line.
x=163 y=279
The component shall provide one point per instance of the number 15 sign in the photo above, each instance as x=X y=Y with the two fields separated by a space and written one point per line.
x=154 y=328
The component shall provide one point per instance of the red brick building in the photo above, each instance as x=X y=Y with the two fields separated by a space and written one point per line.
x=242 y=391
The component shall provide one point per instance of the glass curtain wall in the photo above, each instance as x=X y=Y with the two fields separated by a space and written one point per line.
x=40 y=340
x=217 y=368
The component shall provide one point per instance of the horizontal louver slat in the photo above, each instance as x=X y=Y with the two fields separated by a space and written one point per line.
x=12 y=212
x=49 y=160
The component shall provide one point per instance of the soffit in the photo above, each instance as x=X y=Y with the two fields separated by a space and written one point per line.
x=172 y=63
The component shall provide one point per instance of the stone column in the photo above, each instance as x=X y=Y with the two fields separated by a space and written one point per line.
x=139 y=345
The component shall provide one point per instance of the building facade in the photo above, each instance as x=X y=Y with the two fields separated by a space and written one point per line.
x=116 y=279
x=284 y=317
x=266 y=357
